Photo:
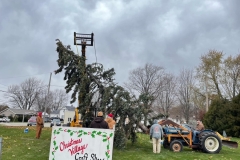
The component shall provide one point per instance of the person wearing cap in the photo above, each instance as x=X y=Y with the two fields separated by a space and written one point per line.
x=111 y=122
x=39 y=125
x=156 y=133
x=99 y=122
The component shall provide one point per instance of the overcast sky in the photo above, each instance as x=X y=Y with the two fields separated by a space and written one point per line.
x=128 y=34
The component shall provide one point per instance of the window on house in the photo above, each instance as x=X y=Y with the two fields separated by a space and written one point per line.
x=69 y=119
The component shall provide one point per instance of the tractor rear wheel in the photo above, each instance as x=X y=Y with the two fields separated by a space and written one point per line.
x=210 y=142
x=176 y=146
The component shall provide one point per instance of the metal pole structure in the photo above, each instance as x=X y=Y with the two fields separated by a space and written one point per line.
x=86 y=40
x=45 y=109
x=1 y=147
x=83 y=55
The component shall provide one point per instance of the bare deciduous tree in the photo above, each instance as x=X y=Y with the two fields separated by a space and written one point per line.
x=231 y=76
x=53 y=101
x=185 y=82
x=60 y=99
x=146 y=81
x=199 y=101
x=23 y=96
x=210 y=70
x=44 y=100
x=167 y=96
x=221 y=76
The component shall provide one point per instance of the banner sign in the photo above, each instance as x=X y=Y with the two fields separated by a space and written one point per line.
x=73 y=143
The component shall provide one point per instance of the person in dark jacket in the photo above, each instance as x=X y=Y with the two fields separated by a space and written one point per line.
x=99 y=122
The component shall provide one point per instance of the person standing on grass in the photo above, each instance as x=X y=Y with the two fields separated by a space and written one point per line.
x=156 y=133
x=99 y=122
x=39 y=125
x=111 y=122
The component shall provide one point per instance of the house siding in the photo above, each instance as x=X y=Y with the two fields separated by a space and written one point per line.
x=61 y=113
x=68 y=116
x=54 y=115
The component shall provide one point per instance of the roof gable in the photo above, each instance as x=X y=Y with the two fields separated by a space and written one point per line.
x=70 y=108
x=4 y=110
x=55 y=112
x=19 y=111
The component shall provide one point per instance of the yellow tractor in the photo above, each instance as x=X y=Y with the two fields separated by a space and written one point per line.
x=76 y=122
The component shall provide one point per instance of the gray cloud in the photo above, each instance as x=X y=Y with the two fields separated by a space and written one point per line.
x=128 y=34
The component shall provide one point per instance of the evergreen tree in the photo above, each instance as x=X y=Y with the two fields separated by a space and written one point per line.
x=96 y=90
x=235 y=114
x=212 y=117
x=223 y=115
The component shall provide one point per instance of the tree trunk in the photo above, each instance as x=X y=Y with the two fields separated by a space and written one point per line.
x=143 y=127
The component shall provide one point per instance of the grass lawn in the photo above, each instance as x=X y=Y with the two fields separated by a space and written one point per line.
x=18 y=145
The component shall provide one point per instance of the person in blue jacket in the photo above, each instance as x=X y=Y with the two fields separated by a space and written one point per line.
x=156 y=133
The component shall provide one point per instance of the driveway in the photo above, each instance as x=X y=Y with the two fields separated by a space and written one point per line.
x=20 y=124
x=14 y=123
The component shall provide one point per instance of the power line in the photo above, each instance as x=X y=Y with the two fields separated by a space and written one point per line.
x=2 y=91
x=4 y=85
x=35 y=88
x=57 y=86
x=3 y=101
x=22 y=90
x=23 y=76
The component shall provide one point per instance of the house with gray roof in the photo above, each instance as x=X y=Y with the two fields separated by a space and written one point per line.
x=14 y=112
x=66 y=113
x=55 y=113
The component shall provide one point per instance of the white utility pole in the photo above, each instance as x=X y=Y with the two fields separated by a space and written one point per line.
x=1 y=141
x=206 y=84
x=45 y=109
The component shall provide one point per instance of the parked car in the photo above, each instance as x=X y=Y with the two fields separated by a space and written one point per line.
x=6 y=119
x=54 y=118
x=56 y=122
x=47 y=119
x=32 y=121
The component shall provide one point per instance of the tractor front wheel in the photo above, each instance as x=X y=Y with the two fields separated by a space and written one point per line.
x=176 y=146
